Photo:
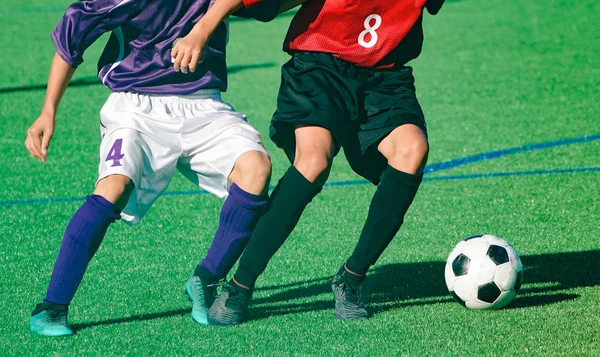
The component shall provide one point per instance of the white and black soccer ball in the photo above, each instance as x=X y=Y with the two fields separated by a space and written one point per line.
x=483 y=272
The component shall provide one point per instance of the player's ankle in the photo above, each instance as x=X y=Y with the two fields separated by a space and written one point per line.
x=239 y=285
x=353 y=272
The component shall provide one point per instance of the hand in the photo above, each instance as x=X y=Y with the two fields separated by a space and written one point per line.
x=39 y=135
x=188 y=51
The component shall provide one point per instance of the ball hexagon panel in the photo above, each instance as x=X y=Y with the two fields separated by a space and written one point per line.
x=506 y=276
x=477 y=305
x=465 y=288
x=504 y=299
x=475 y=248
x=482 y=270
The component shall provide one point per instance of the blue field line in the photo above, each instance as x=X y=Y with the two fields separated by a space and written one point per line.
x=508 y=174
x=446 y=165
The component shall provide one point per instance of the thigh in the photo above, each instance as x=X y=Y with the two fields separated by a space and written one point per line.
x=132 y=147
x=389 y=102
x=313 y=92
x=210 y=152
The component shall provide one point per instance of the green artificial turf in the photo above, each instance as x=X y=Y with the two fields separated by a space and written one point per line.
x=493 y=76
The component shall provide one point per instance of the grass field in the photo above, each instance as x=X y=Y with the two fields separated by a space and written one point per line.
x=511 y=94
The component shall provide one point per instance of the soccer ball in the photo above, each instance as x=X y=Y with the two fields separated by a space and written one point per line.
x=483 y=272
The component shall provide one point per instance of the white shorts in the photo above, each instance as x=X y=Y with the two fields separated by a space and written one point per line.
x=147 y=137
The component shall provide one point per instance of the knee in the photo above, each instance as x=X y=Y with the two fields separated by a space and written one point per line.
x=410 y=150
x=116 y=189
x=408 y=154
x=313 y=166
x=252 y=172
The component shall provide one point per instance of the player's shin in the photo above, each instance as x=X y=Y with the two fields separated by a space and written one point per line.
x=287 y=202
x=238 y=218
x=81 y=240
x=391 y=200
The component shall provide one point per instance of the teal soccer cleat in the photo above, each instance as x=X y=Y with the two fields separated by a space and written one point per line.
x=48 y=319
x=202 y=295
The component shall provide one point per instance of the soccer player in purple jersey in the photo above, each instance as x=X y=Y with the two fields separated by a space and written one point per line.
x=160 y=117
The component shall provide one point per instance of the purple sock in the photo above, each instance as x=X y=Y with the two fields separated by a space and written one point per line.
x=239 y=215
x=81 y=240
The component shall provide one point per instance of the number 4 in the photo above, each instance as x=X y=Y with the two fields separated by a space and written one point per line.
x=370 y=30
x=115 y=153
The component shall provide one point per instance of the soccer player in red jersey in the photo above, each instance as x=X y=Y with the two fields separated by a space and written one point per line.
x=347 y=87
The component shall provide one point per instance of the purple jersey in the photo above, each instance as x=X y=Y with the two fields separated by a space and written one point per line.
x=137 y=57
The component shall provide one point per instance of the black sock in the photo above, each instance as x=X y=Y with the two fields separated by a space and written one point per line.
x=286 y=204
x=49 y=305
x=204 y=274
x=390 y=202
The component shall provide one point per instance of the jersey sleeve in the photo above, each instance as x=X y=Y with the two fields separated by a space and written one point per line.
x=434 y=6
x=85 y=21
x=261 y=10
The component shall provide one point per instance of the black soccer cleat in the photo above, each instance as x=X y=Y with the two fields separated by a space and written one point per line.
x=347 y=293
x=230 y=307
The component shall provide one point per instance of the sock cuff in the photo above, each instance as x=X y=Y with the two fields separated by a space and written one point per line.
x=246 y=199
x=301 y=182
x=45 y=305
x=401 y=176
x=204 y=274
x=103 y=206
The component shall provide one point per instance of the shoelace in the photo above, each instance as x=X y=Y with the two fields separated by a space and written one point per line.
x=216 y=285
x=57 y=314
x=354 y=295
x=234 y=299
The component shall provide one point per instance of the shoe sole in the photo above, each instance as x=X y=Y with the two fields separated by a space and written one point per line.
x=42 y=331
x=225 y=318
x=349 y=315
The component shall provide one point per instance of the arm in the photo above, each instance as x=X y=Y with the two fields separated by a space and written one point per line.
x=267 y=10
x=85 y=21
x=187 y=51
x=434 y=6
x=82 y=24
x=41 y=131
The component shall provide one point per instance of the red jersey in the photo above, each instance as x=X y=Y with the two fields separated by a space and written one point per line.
x=367 y=33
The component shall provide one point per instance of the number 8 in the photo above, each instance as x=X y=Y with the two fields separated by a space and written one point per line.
x=370 y=30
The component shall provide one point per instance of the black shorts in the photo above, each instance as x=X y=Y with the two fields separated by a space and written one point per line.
x=359 y=106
